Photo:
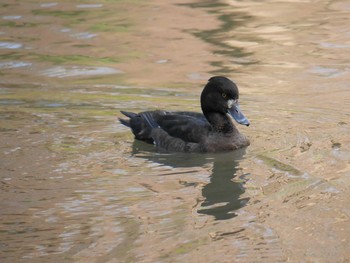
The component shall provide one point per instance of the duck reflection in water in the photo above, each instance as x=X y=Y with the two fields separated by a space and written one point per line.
x=222 y=195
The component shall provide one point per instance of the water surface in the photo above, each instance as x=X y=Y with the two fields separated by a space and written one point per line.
x=76 y=187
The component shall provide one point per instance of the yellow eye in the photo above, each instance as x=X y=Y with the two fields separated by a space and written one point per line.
x=224 y=95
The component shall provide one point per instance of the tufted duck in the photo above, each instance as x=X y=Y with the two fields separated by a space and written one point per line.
x=212 y=131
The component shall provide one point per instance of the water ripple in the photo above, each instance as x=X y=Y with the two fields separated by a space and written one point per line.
x=89 y=5
x=62 y=72
x=83 y=35
x=14 y=64
x=48 y=4
x=10 y=45
x=11 y=17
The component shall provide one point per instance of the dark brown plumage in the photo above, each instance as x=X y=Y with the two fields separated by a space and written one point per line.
x=212 y=131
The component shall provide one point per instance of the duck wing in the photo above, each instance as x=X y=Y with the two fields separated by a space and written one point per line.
x=176 y=132
x=171 y=131
x=187 y=126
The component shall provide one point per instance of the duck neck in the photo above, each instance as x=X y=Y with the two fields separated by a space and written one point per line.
x=221 y=122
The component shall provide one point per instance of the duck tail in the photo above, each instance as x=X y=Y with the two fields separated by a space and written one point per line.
x=129 y=115
x=124 y=122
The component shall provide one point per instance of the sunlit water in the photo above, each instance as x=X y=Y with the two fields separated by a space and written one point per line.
x=75 y=187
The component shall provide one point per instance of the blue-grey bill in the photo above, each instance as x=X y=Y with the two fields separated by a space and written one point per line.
x=236 y=113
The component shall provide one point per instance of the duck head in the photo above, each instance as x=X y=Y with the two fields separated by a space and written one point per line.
x=220 y=96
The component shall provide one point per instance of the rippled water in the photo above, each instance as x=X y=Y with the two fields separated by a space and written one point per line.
x=76 y=187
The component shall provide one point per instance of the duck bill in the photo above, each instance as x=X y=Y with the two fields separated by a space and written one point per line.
x=236 y=113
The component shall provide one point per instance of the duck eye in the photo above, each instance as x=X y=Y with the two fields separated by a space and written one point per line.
x=224 y=95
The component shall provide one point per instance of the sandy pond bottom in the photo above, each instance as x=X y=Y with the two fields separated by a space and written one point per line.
x=75 y=187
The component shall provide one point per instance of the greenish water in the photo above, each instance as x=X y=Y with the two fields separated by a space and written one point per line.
x=76 y=187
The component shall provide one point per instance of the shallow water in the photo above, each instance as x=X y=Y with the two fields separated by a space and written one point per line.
x=75 y=187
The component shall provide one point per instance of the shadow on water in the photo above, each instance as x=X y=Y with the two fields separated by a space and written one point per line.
x=222 y=195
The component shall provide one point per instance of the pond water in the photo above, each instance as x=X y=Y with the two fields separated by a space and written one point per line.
x=76 y=187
